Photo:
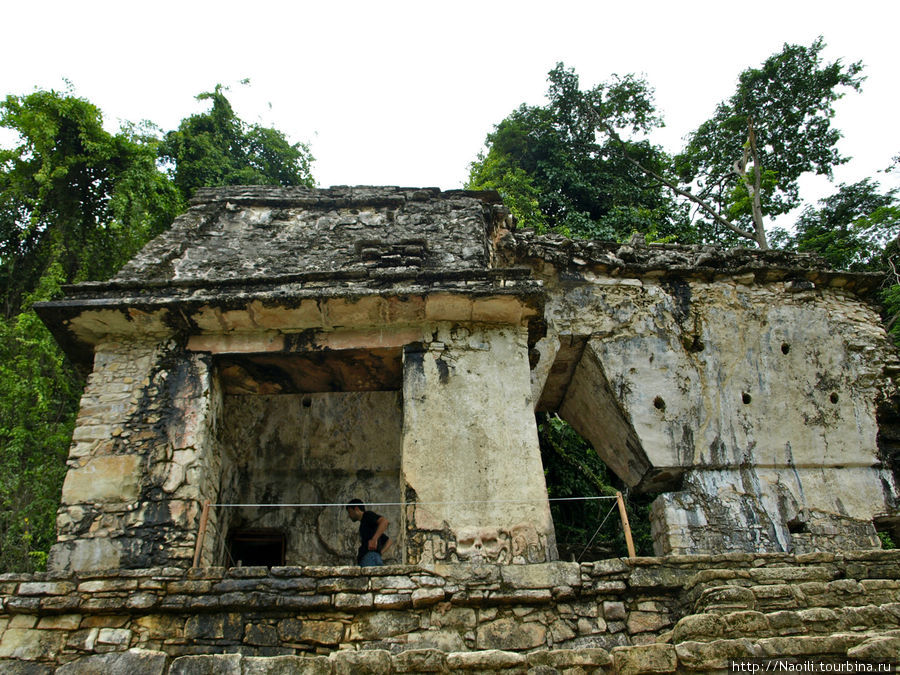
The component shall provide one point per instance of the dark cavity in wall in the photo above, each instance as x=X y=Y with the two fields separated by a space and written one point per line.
x=680 y=290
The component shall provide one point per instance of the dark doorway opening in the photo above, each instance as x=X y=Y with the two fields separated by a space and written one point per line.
x=256 y=548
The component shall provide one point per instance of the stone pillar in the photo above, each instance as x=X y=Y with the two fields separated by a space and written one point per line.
x=140 y=464
x=471 y=460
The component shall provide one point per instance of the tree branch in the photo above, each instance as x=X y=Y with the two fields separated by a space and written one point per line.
x=669 y=184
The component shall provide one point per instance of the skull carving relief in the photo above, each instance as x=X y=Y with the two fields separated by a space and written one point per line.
x=483 y=544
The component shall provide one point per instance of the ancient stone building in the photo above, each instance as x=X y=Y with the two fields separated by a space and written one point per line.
x=279 y=348
x=294 y=346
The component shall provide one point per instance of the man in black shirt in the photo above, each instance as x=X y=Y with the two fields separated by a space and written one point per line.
x=372 y=537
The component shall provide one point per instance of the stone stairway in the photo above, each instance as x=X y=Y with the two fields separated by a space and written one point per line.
x=828 y=612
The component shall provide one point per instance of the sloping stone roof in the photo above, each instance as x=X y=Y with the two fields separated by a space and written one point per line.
x=262 y=232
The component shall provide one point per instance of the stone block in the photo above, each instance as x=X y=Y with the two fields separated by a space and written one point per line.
x=564 y=659
x=137 y=661
x=880 y=648
x=60 y=622
x=698 y=627
x=113 y=478
x=424 y=597
x=311 y=631
x=644 y=622
x=119 y=637
x=286 y=665
x=715 y=655
x=99 y=553
x=745 y=624
x=486 y=660
x=260 y=635
x=46 y=588
x=444 y=616
x=379 y=625
x=509 y=634
x=613 y=610
x=366 y=662
x=644 y=659
x=353 y=600
x=30 y=644
x=208 y=664
x=542 y=575
x=214 y=627
x=12 y=667
x=420 y=661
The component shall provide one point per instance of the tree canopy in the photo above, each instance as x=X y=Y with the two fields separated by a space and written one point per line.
x=581 y=164
x=556 y=175
x=746 y=160
x=218 y=148
x=72 y=193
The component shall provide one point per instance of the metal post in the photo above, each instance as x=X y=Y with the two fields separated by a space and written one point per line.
x=625 y=526
x=204 y=517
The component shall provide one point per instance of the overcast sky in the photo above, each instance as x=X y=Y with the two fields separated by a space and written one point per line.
x=403 y=93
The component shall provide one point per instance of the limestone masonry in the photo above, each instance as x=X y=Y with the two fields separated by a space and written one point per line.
x=288 y=346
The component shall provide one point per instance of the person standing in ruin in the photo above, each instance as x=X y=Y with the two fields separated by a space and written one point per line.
x=372 y=534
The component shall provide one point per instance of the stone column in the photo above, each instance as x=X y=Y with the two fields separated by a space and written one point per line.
x=140 y=463
x=471 y=460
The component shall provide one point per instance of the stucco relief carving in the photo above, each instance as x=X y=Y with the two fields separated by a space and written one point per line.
x=519 y=544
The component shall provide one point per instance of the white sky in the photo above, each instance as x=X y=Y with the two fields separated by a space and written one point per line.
x=403 y=93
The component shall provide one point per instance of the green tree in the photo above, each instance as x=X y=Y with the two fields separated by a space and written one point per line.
x=218 y=148
x=38 y=400
x=743 y=164
x=586 y=528
x=72 y=193
x=851 y=228
x=75 y=203
x=559 y=170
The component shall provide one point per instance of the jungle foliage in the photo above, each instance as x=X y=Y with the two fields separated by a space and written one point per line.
x=581 y=165
x=588 y=529
x=76 y=202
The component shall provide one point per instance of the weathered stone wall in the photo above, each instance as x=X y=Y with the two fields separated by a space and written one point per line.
x=751 y=401
x=324 y=448
x=642 y=615
x=139 y=462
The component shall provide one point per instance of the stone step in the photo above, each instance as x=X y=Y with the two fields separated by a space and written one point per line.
x=805 y=595
x=718 y=655
x=816 y=621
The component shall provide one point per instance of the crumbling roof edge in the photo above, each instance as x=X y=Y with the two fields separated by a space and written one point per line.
x=678 y=260
x=336 y=196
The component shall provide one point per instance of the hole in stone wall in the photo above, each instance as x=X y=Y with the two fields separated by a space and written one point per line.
x=785 y=348
x=256 y=547
x=746 y=398
x=659 y=403
x=797 y=526
x=834 y=397
x=307 y=401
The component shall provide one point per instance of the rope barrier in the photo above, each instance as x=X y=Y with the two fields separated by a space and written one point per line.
x=468 y=501
x=597 y=531
x=618 y=497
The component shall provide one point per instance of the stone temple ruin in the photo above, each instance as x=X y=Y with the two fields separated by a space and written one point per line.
x=294 y=346
x=288 y=346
